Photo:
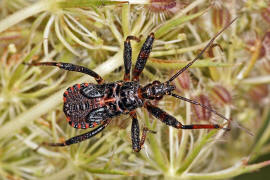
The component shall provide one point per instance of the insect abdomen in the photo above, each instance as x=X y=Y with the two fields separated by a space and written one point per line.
x=87 y=105
x=77 y=107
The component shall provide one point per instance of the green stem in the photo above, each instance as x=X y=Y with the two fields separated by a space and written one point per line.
x=63 y=174
x=171 y=150
x=126 y=19
x=178 y=51
x=188 y=161
x=158 y=154
x=250 y=65
x=138 y=24
x=165 y=28
x=261 y=139
x=231 y=55
x=106 y=171
x=191 y=6
x=184 y=138
x=257 y=80
x=138 y=1
x=113 y=27
x=237 y=169
x=23 y=14
x=87 y=3
x=177 y=64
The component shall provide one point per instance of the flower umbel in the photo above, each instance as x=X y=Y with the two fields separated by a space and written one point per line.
x=91 y=33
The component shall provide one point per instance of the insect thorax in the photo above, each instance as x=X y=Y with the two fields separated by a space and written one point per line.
x=128 y=93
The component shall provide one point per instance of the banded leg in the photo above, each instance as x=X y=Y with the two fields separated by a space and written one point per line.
x=128 y=56
x=80 y=138
x=142 y=57
x=70 y=67
x=171 y=121
x=135 y=133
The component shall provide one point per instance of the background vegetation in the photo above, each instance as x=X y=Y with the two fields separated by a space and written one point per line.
x=232 y=77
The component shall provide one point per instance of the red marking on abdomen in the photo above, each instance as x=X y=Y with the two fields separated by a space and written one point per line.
x=72 y=124
x=94 y=124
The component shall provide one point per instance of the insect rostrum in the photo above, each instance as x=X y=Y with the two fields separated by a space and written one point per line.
x=90 y=105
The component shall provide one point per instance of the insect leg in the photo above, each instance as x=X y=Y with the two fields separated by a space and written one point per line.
x=135 y=133
x=70 y=67
x=128 y=56
x=142 y=57
x=80 y=138
x=171 y=121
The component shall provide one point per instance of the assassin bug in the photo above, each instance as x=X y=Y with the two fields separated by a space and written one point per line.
x=90 y=105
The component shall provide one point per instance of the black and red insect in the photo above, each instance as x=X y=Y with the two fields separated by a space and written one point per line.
x=89 y=105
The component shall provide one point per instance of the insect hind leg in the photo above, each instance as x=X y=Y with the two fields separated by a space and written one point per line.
x=70 y=67
x=137 y=143
x=80 y=138
x=172 y=121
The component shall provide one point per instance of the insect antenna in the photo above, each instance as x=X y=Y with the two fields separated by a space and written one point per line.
x=201 y=53
x=197 y=103
x=230 y=122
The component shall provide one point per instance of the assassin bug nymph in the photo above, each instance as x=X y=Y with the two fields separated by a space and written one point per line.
x=90 y=105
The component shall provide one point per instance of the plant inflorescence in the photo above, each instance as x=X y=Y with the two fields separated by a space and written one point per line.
x=232 y=77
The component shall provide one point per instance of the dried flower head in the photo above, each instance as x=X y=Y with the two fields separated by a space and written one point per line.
x=265 y=13
x=266 y=65
x=160 y=9
x=221 y=95
x=265 y=50
x=258 y=92
x=184 y=80
x=202 y=113
x=161 y=5
x=220 y=17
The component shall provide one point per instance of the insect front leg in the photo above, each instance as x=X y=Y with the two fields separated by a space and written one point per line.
x=137 y=143
x=80 y=138
x=171 y=121
x=70 y=67
x=142 y=57
x=128 y=56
